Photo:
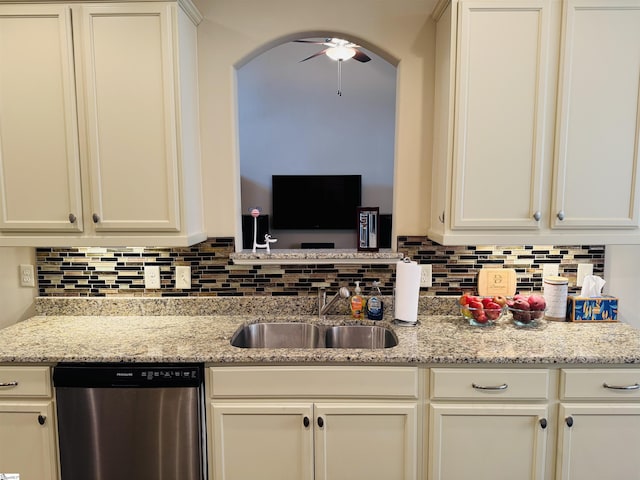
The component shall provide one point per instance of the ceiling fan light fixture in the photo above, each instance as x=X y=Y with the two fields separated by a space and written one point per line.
x=340 y=52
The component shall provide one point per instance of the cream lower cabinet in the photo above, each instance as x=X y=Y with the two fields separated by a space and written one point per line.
x=27 y=423
x=488 y=424
x=99 y=125
x=599 y=425
x=303 y=423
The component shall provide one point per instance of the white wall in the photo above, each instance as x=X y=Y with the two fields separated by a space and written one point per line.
x=622 y=273
x=292 y=122
x=234 y=31
x=16 y=302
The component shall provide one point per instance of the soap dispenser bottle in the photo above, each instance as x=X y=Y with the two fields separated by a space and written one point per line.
x=357 y=303
x=374 y=306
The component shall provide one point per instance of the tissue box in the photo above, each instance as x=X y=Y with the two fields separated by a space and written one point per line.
x=592 y=309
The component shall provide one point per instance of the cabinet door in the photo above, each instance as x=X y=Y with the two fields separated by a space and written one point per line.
x=598 y=441
x=372 y=441
x=26 y=446
x=39 y=153
x=497 y=442
x=265 y=441
x=598 y=125
x=126 y=56
x=499 y=114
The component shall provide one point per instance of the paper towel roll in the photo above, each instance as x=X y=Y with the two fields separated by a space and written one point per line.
x=407 y=291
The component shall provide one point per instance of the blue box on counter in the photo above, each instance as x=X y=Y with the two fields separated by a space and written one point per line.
x=592 y=309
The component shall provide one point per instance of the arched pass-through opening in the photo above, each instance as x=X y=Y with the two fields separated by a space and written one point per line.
x=291 y=121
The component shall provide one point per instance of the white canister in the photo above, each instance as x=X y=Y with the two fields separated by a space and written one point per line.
x=555 y=291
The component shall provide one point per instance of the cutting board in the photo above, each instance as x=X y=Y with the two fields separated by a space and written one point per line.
x=497 y=281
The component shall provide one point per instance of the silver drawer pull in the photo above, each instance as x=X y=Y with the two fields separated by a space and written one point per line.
x=490 y=387
x=635 y=386
x=8 y=384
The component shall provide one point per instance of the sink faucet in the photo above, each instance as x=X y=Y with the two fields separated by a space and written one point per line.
x=323 y=306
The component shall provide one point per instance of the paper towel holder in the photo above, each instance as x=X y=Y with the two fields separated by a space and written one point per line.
x=397 y=321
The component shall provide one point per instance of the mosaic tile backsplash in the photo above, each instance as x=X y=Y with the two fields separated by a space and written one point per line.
x=75 y=272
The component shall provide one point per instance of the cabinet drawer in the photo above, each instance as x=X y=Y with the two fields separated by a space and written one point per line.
x=482 y=384
x=25 y=382
x=604 y=384
x=385 y=382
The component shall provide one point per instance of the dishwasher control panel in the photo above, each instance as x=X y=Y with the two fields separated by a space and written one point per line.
x=127 y=375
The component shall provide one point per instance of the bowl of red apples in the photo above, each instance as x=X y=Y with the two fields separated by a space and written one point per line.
x=527 y=311
x=482 y=311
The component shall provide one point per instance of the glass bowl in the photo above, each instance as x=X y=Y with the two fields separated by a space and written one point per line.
x=526 y=318
x=481 y=317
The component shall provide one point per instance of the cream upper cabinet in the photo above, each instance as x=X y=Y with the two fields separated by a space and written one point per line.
x=536 y=127
x=499 y=114
x=492 y=59
x=39 y=154
x=598 y=125
x=131 y=76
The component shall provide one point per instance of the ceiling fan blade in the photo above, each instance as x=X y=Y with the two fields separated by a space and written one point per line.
x=314 y=55
x=361 y=56
x=312 y=42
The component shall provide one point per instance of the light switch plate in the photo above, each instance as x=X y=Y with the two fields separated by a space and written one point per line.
x=152 y=277
x=584 y=269
x=183 y=277
x=426 y=276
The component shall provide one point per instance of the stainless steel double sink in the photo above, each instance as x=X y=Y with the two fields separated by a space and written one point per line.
x=308 y=335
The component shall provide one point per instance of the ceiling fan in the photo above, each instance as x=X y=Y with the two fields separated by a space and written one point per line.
x=337 y=49
x=340 y=50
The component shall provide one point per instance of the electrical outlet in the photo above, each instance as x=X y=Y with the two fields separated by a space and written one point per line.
x=152 y=277
x=584 y=269
x=425 y=275
x=550 y=270
x=183 y=277
x=27 y=277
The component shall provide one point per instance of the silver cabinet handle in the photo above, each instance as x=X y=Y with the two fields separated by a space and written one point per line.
x=560 y=215
x=635 y=386
x=537 y=216
x=95 y=217
x=8 y=384
x=441 y=217
x=72 y=218
x=504 y=386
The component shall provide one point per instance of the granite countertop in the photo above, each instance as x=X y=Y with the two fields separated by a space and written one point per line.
x=437 y=339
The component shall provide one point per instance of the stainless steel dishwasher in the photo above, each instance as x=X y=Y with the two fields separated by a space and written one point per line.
x=130 y=421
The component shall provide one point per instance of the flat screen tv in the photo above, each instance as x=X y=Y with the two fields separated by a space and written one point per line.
x=315 y=202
